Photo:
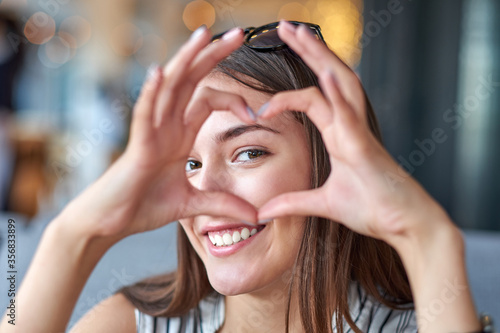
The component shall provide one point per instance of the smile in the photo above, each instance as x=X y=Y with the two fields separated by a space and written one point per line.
x=229 y=237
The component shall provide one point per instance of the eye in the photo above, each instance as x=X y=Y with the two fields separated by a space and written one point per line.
x=250 y=154
x=192 y=165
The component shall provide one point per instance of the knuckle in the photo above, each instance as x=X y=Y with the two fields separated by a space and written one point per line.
x=204 y=93
x=314 y=92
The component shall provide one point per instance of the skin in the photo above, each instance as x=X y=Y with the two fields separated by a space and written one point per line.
x=256 y=271
x=227 y=167
x=147 y=188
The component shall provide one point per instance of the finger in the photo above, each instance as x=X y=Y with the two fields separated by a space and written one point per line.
x=184 y=80
x=309 y=100
x=188 y=51
x=204 y=63
x=303 y=203
x=174 y=72
x=143 y=110
x=348 y=124
x=320 y=58
x=311 y=50
x=210 y=56
x=343 y=111
x=222 y=204
x=206 y=99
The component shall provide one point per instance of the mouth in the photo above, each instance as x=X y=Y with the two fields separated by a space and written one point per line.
x=229 y=237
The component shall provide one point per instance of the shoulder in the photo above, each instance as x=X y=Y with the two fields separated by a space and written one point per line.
x=372 y=316
x=208 y=316
x=114 y=314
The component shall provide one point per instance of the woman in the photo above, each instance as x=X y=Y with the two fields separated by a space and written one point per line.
x=245 y=199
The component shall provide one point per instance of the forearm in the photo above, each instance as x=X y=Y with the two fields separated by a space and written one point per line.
x=435 y=263
x=59 y=270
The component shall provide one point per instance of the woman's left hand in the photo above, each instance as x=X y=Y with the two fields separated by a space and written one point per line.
x=369 y=193
x=366 y=191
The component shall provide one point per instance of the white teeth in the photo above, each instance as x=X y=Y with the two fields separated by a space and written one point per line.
x=245 y=233
x=228 y=240
x=236 y=237
x=218 y=240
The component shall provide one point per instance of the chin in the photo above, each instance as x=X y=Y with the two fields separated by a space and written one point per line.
x=231 y=281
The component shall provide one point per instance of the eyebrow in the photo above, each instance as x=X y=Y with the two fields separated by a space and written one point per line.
x=239 y=130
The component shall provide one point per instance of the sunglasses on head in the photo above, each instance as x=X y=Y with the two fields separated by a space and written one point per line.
x=265 y=38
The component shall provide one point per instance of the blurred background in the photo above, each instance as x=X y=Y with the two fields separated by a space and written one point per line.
x=70 y=72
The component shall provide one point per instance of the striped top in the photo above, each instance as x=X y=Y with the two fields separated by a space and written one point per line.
x=368 y=314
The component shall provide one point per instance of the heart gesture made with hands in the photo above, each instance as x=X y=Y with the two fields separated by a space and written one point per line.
x=147 y=187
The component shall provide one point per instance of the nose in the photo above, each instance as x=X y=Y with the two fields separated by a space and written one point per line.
x=213 y=178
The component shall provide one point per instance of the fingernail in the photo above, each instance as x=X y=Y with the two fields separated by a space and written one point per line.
x=264 y=221
x=307 y=30
x=287 y=26
x=198 y=32
x=151 y=72
x=262 y=109
x=231 y=33
x=251 y=113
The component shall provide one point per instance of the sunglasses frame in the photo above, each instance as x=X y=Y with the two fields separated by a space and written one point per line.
x=252 y=32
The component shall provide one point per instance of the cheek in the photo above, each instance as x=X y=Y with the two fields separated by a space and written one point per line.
x=271 y=179
x=187 y=226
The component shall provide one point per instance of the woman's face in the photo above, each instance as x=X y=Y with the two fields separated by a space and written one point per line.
x=255 y=163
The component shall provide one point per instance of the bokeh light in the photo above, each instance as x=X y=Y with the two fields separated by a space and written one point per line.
x=126 y=39
x=198 y=12
x=294 y=11
x=39 y=28
x=153 y=50
x=341 y=24
x=68 y=38
x=55 y=53
x=78 y=27
x=57 y=50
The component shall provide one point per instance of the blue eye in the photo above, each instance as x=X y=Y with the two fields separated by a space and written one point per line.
x=192 y=165
x=250 y=154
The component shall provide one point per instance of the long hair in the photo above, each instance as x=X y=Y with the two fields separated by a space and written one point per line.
x=330 y=256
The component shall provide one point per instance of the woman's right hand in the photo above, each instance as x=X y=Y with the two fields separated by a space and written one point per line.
x=147 y=186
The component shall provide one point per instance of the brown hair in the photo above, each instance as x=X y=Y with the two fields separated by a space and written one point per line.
x=330 y=256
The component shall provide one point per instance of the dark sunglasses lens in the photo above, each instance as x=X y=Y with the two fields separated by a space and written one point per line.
x=265 y=38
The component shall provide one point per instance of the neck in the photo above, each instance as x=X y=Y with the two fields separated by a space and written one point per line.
x=263 y=311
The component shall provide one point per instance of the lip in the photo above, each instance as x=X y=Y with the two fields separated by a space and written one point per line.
x=224 y=251
x=218 y=226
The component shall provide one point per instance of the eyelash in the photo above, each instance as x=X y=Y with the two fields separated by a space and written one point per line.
x=261 y=153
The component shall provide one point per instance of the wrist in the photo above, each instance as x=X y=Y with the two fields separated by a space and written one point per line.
x=434 y=240
x=425 y=229
x=434 y=258
x=79 y=232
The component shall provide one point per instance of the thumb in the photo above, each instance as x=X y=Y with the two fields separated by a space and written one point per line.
x=302 y=203
x=222 y=204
